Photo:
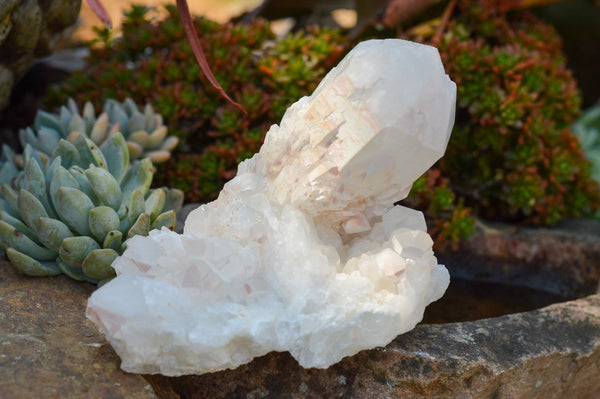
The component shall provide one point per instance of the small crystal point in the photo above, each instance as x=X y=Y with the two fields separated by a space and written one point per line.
x=303 y=251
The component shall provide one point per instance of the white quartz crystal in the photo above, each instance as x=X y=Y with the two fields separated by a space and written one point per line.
x=303 y=251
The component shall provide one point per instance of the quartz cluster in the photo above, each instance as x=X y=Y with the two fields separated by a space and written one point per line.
x=303 y=251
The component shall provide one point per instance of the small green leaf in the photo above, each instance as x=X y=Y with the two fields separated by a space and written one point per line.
x=140 y=227
x=105 y=186
x=174 y=200
x=73 y=206
x=74 y=273
x=68 y=153
x=73 y=250
x=130 y=212
x=30 y=208
x=10 y=197
x=97 y=155
x=138 y=177
x=117 y=155
x=113 y=240
x=31 y=267
x=97 y=264
x=52 y=232
x=60 y=178
x=103 y=220
x=155 y=203
x=84 y=184
x=19 y=225
x=13 y=238
x=167 y=219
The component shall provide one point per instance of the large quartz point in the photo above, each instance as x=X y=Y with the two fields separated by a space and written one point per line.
x=303 y=251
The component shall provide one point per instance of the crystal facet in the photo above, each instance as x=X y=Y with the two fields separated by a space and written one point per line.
x=303 y=251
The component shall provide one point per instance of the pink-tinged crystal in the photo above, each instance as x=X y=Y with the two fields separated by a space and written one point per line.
x=303 y=251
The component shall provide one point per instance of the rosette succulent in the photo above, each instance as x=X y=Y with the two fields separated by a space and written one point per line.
x=144 y=131
x=73 y=212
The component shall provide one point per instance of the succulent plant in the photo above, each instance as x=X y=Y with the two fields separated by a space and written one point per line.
x=59 y=216
x=260 y=71
x=145 y=133
x=587 y=130
x=512 y=155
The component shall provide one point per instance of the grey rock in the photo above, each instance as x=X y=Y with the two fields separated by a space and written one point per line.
x=549 y=353
x=563 y=259
x=48 y=349
x=553 y=352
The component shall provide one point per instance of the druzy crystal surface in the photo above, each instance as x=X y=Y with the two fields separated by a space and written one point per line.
x=303 y=251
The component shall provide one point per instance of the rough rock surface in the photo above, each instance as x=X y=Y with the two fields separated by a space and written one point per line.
x=549 y=353
x=553 y=352
x=564 y=259
x=48 y=349
x=30 y=29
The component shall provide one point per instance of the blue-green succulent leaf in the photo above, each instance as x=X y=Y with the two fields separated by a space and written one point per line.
x=73 y=207
x=19 y=225
x=65 y=118
x=150 y=118
x=74 y=273
x=115 y=113
x=27 y=137
x=138 y=177
x=155 y=203
x=114 y=240
x=97 y=156
x=48 y=139
x=105 y=186
x=13 y=238
x=84 y=151
x=8 y=171
x=10 y=197
x=68 y=153
x=117 y=155
x=60 y=178
x=131 y=211
x=84 y=184
x=31 y=267
x=43 y=118
x=130 y=106
x=174 y=200
x=30 y=208
x=140 y=227
x=30 y=153
x=52 y=232
x=73 y=250
x=34 y=181
x=76 y=124
x=166 y=219
x=72 y=106
x=89 y=115
x=103 y=220
x=136 y=122
x=98 y=263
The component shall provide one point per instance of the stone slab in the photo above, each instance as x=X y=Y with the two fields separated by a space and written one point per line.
x=563 y=259
x=48 y=349
x=552 y=352
x=549 y=353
